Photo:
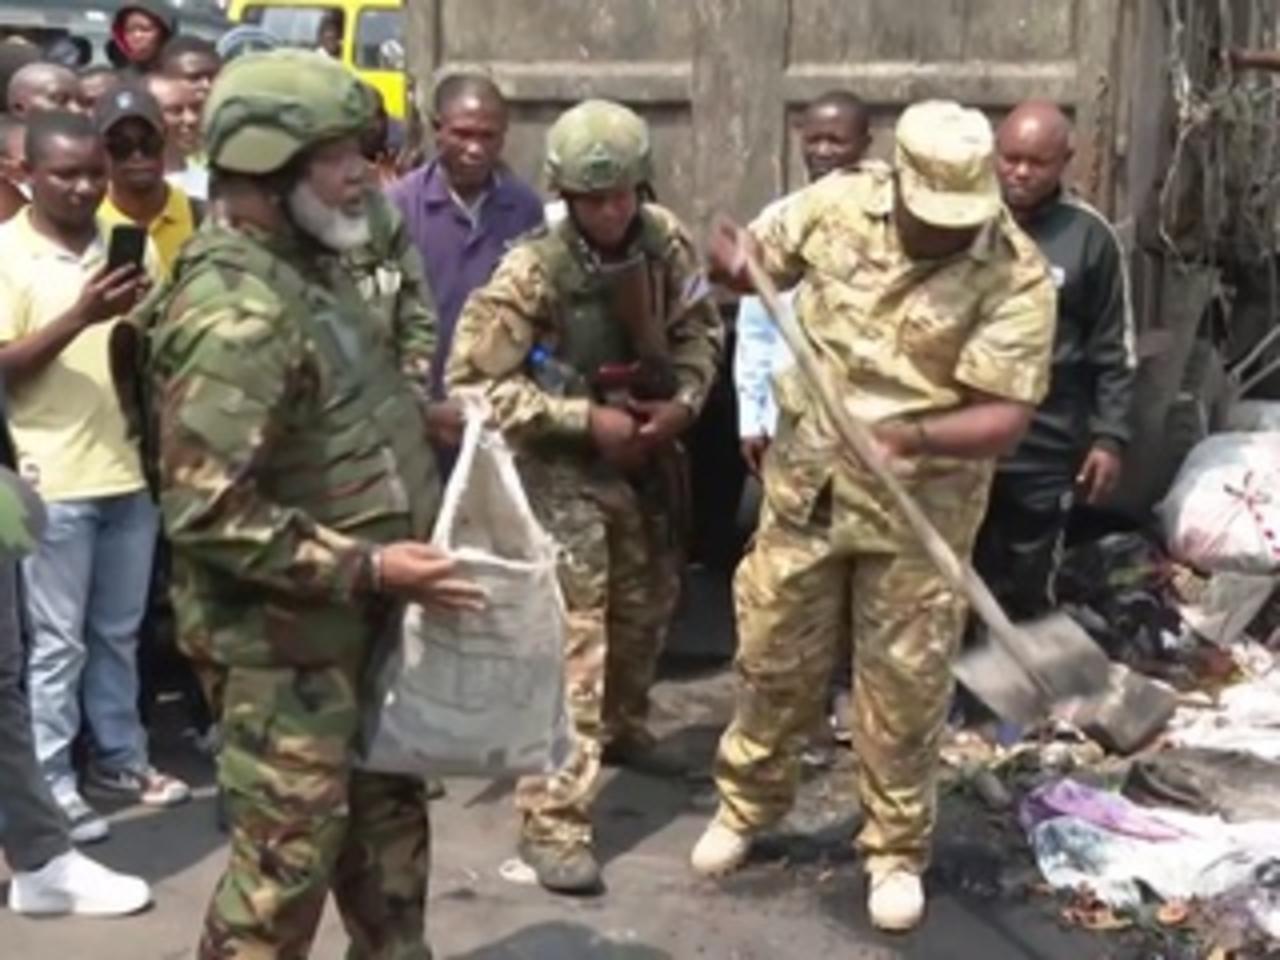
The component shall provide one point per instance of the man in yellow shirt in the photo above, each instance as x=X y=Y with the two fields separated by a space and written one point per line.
x=131 y=123
x=87 y=581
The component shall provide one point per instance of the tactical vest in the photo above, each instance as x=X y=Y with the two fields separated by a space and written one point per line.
x=357 y=461
x=367 y=265
x=586 y=331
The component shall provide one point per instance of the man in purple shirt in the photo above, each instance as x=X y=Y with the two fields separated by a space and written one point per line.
x=464 y=208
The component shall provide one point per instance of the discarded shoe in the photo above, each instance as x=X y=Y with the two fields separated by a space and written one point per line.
x=720 y=851
x=895 y=900
x=572 y=871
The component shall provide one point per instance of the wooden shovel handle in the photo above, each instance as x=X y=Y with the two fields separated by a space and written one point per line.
x=959 y=573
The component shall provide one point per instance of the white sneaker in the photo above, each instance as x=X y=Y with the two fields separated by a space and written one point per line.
x=84 y=824
x=72 y=883
x=720 y=850
x=895 y=900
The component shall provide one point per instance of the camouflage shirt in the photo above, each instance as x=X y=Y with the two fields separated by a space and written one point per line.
x=389 y=274
x=901 y=337
x=526 y=303
x=290 y=443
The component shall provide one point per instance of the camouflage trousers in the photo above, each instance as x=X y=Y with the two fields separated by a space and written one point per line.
x=620 y=575
x=303 y=822
x=794 y=595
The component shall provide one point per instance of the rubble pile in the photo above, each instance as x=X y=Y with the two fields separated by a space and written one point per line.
x=1182 y=830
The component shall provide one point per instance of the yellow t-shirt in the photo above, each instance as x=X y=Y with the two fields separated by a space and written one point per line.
x=65 y=421
x=168 y=231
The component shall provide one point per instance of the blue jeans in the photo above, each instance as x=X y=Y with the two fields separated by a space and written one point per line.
x=86 y=592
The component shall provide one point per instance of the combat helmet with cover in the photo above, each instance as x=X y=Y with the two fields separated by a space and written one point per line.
x=598 y=145
x=267 y=108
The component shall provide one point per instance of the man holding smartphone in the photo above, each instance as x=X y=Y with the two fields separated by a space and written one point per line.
x=131 y=123
x=87 y=580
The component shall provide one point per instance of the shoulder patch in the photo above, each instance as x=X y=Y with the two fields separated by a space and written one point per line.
x=696 y=288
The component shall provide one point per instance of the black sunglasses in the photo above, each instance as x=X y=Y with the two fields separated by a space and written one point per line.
x=122 y=146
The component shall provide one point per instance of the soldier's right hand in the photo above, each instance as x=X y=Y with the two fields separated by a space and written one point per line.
x=421 y=573
x=613 y=432
x=110 y=293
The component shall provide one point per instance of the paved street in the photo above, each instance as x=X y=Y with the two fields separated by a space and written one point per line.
x=802 y=898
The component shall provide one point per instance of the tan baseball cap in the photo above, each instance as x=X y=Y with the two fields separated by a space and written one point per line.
x=946 y=167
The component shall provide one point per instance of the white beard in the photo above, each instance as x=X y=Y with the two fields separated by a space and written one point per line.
x=330 y=226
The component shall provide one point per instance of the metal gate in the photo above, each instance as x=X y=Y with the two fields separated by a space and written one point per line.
x=721 y=80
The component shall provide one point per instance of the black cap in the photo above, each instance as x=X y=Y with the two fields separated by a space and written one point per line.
x=125 y=101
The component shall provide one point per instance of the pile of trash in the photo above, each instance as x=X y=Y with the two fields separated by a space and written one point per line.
x=1119 y=855
x=1183 y=828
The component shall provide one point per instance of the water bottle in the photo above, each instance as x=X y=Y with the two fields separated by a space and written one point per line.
x=554 y=376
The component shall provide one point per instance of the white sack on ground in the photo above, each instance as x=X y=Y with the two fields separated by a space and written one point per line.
x=1223 y=511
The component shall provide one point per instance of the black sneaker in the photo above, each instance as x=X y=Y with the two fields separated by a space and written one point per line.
x=572 y=871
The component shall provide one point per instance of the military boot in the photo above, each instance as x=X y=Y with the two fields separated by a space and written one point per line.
x=571 y=870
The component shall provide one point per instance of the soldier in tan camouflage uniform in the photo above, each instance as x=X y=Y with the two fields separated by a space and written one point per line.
x=296 y=484
x=935 y=314
x=596 y=343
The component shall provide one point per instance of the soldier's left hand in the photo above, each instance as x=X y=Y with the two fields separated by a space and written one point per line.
x=661 y=421
x=445 y=423
x=1099 y=474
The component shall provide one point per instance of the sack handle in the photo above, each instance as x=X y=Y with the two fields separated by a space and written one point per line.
x=475 y=411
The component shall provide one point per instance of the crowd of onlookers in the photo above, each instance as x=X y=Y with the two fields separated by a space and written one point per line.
x=83 y=153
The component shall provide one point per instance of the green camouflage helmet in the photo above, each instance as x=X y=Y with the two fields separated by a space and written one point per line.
x=266 y=108
x=598 y=145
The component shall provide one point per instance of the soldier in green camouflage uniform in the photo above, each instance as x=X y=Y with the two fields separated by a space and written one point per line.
x=596 y=342
x=389 y=277
x=296 y=485
x=934 y=314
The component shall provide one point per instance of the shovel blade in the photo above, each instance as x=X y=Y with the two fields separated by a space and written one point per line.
x=1021 y=673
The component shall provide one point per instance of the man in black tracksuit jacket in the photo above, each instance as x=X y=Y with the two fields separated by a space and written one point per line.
x=1074 y=446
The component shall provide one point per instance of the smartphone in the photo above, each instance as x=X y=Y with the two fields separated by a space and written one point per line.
x=127 y=246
